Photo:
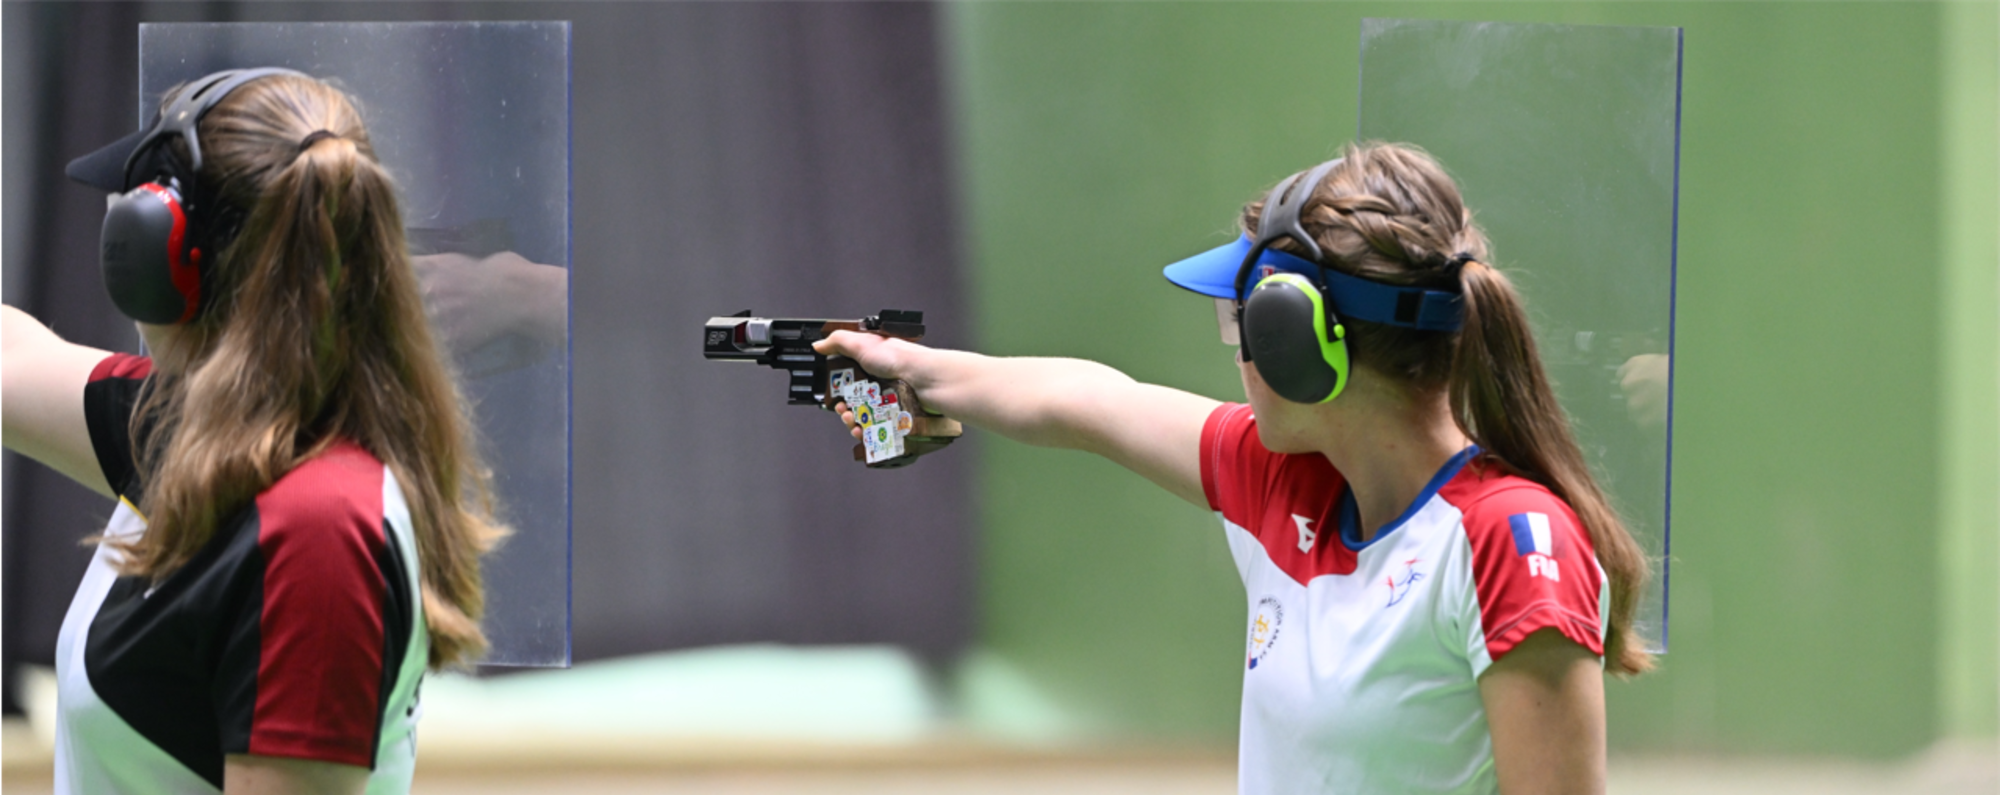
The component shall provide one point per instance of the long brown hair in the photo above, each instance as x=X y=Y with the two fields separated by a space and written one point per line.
x=1390 y=213
x=314 y=332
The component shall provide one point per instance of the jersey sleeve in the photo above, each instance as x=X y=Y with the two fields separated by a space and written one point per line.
x=108 y=401
x=1235 y=467
x=313 y=651
x=1533 y=568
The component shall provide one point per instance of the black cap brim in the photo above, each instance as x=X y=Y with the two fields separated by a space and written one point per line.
x=104 y=169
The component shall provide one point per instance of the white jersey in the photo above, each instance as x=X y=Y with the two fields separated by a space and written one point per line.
x=297 y=631
x=1362 y=659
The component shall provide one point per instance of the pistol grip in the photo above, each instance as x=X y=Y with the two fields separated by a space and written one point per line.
x=928 y=433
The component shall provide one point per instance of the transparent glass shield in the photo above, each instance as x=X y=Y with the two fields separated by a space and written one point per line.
x=1565 y=140
x=473 y=121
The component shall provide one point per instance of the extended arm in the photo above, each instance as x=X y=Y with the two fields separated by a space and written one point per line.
x=44 y=377
x=1545 y=706
x=1068 y=403
x=243 y=774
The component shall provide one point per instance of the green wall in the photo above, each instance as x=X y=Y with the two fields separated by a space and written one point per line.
x=1969 y=491
x=1836 y=416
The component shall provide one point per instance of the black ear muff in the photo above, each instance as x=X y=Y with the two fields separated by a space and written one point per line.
x=149 y=268
x=1289 y=328
x=1289 y=331
x=1286 y=337
x=155 y=234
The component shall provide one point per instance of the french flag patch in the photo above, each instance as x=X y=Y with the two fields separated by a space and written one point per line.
x=1531 y=534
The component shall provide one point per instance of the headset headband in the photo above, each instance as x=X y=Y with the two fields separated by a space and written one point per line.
x=1280 y=218
x=1349 y=295
x=181 y=116
x=1283 y=219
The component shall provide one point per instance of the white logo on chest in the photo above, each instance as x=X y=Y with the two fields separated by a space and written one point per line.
x=1306 y=533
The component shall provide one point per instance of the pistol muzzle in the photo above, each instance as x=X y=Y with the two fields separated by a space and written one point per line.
x=737 y=337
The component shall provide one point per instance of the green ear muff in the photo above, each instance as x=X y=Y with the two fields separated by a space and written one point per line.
x=1285 y=332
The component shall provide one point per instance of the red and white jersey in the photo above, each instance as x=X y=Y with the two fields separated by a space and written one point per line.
x=1362 y=659
x=297 y=631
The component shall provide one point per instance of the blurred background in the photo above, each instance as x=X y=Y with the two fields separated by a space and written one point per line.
x=753 y=613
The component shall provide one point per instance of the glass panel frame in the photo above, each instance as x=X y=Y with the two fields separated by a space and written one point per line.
x=472 y=119
x=1565 y=140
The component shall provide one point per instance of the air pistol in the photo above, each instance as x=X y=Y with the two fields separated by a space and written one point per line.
x=895 y=428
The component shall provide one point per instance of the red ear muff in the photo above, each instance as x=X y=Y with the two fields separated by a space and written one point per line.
x=152 y=267
x=152 y=274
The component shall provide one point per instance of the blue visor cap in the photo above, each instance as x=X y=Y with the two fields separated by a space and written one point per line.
x=1213 y=273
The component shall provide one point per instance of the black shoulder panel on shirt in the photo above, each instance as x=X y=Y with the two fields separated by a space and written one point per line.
x=107 y=412
x=163 y=659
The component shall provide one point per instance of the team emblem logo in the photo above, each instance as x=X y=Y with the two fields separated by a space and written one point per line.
x=1306 y=532
x=1264 y=626
x=1399 y=588
x=1534 y=541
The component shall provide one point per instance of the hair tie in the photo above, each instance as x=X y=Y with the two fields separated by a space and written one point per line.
x=315 y=137
x=1457 y=264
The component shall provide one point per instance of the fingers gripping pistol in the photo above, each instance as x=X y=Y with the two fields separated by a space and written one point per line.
x=895 y=428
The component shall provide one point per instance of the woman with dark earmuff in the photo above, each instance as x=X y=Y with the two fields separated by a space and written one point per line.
x=1436 y=584
x=300 y=510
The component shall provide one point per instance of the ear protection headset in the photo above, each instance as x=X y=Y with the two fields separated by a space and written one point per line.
x=1291 y=331
x=158 y=234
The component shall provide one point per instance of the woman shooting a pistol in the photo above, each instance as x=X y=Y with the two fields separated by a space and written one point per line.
x=1435 y=583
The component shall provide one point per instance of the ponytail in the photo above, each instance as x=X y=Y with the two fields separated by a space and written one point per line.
x=1502 y=399
x=317 y=335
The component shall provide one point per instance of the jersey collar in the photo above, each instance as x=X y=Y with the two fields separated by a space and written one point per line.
x=1350 y=512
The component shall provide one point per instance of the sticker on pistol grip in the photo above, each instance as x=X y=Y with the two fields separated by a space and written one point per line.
x=887 y=443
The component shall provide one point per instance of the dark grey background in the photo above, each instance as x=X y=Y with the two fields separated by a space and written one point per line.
x=788 y=158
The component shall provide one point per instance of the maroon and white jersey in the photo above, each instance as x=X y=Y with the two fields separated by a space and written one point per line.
x=1362 y=659
x=297 y=631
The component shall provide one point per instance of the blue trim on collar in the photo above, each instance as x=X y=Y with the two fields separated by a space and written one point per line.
x=1350 y=513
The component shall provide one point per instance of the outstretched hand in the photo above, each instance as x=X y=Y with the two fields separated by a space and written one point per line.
x=494 y=313
x=884 y=357
x=1644 y=380
x=879 y=355
x=1066 y=403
